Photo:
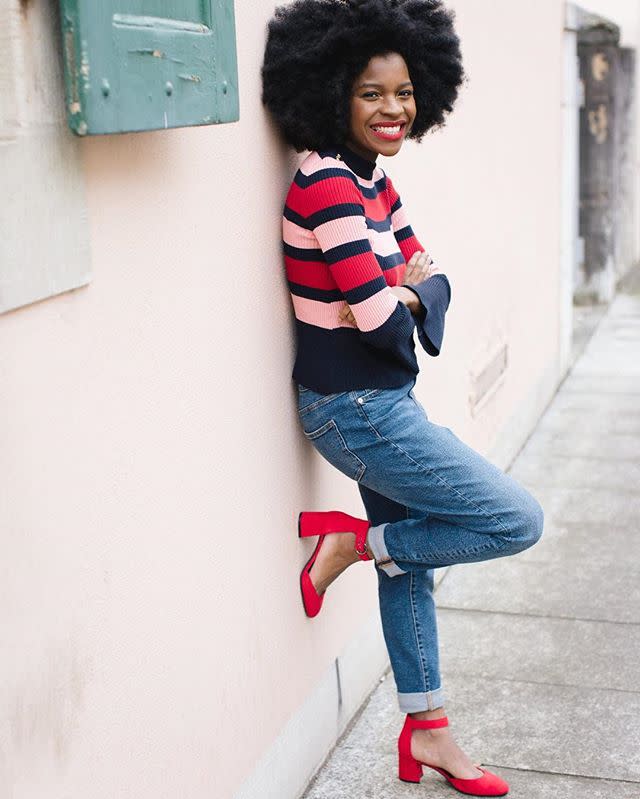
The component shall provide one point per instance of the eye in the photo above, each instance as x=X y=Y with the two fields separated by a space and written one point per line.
x=369 y=94
x=408 y=92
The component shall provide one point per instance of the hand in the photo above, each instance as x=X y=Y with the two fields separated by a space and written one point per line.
x=347 y=313
x=408 y=297
x=419 y=267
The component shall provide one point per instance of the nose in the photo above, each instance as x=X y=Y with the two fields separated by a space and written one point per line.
x=393 y=106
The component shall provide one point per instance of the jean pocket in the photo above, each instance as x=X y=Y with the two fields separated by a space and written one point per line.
x=364 y=394
x=330 y=443
x=310 y=400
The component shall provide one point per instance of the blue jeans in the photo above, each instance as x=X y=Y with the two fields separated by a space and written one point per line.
x=432 y=501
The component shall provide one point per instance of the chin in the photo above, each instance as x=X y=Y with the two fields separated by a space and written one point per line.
x=386 y=148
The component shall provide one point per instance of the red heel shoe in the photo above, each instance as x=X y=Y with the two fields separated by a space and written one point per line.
x=410 y=769
x=322 y=523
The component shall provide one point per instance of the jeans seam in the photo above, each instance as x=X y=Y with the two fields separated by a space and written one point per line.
x=458 y=552
x=435 y=474
x=415 y=629
x=319 y=403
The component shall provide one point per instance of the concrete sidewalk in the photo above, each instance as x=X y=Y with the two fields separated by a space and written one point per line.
x=541 y=650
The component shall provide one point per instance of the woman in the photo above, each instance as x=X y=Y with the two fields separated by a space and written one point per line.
x=349 y=80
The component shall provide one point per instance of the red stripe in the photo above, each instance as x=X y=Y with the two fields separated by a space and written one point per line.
x=409 y=246
x=314 y=274
x=313 y=199
x=354 y=271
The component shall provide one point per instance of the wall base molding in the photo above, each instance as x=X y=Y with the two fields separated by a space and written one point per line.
x=287 y=767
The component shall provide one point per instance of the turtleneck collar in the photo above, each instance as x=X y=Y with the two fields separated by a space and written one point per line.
x=361 y=166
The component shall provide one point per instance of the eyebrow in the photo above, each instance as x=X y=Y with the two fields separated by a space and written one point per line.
x=379 y=85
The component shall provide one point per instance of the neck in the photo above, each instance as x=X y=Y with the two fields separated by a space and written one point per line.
x=369 y=155
x=362 y=165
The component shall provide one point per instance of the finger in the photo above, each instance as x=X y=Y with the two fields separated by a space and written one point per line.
x=413 y=265
x=420 y=263
x=413 y=261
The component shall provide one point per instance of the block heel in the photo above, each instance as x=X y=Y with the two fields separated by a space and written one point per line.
x=410 y=769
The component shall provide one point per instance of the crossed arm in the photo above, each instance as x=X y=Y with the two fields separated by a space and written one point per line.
x=426 y=290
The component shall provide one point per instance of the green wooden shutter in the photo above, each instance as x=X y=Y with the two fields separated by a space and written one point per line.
x=148 y=64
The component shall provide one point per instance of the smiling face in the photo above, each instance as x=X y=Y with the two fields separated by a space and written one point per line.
x=382 y=107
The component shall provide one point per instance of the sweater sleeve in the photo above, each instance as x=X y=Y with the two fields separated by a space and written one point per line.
x=339 y=224
x=434 y=292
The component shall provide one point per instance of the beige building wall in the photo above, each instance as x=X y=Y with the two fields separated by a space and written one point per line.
x=625 y=14
x=152 y=463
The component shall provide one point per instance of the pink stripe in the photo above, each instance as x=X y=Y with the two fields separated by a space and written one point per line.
x=383 y=243
x=369 y=314
x=320 y=314
x=341 y=231
x=399 y=219
x=375 y=311
x=312 y=163
x=297 y=236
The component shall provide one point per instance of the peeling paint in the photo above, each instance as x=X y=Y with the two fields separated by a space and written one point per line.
x=69 y=37
x=599 y=123
x=155 y=53
x=84 y=66
x=136 y=80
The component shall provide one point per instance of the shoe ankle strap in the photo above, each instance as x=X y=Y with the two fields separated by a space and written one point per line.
x=361 y=541
x=427 y=724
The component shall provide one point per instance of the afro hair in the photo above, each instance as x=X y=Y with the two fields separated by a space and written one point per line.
x=316 y=49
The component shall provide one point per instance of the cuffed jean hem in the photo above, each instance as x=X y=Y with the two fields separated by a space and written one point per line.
x=422 y=700
x=375 y=539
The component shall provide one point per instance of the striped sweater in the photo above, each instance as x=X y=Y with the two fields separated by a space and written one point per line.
x=346 y=239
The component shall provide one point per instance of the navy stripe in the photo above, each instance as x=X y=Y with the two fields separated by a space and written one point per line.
x=389 y=261
x=304 y=181
x=303 y=253
x=337 y=360
x=295 y=217
x=365 y=290
x=351 y=248
x=309 y=293
x=347 y=250
x=333 y=212
x=344 y=251
x=328 y=214
x=404 y=233
x=382 y=226
x=354 y=295
x=370 y=192
x=397 y=204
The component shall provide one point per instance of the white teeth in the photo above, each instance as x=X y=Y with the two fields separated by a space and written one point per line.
x=392 y=130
